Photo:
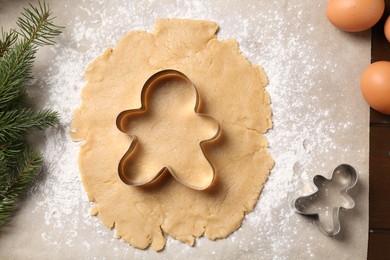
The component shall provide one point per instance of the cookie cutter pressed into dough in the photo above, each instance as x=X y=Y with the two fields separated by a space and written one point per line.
x=343 y=177
x=158 y=78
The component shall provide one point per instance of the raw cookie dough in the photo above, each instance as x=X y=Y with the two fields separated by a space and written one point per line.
x=169 y=137
x=232 y=91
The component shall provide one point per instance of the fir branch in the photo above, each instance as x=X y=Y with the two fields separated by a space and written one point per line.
x=12 y=151
x=30 y=163
x=37 y=29
x=4 y=170
x=18 y=164
x=15 y=70
x=36 y=25
x=16 y=123
x=7 y=40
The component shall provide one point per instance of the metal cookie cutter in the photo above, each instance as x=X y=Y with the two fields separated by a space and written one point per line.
x=330 y=195
x=156 y=79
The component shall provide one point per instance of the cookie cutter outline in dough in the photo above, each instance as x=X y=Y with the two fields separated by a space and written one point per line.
x=121 y=119
x=352 y=178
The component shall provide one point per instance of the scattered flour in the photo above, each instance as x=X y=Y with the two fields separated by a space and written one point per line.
x=277 y=35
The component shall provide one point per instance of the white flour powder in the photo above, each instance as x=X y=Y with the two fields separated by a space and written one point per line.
x=277 y=35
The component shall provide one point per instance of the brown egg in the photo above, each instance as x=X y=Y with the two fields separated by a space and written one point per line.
x=375 y=86
x=354 y=15
x=387 y=29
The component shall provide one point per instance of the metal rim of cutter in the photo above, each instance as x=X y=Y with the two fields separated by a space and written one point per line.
x=120 y=123
x=336 y=210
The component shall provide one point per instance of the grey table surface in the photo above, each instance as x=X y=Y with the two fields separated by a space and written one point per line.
x=320 y=120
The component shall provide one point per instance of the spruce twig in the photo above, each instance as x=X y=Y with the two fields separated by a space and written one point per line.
x=37 y=29
x=15 y=70
x=8 y=39
x=19 y=164
x=29 y=164
x=36 y=25
x=16 y=123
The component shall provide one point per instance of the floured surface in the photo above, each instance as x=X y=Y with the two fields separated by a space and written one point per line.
x=319 y=121
x=232 y=92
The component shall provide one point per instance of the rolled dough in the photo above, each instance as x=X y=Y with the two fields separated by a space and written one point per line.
x=232 y=91
x=169 y=136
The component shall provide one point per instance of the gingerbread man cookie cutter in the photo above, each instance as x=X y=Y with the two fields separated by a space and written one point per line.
x=122 y=119
x=329 y=197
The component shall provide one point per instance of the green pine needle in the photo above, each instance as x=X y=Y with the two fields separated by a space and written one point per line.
x=11 y=152
x=16 y=123
x=36 y=25
x=36 y=29
x=18 y=163
x=8 y=39
x=29 y=164
x=15 y=70
x=4 y=170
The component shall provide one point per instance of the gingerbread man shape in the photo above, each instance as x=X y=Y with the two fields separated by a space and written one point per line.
x=168 y=134
x=330 y=195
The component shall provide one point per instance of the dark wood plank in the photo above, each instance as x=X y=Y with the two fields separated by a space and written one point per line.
x=380 y=50
x=377 y=118
x=379 y=245
x=379 y=197
x=380 y=47
x=379 y=194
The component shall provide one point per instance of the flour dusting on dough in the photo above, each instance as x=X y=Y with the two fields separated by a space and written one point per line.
x=303 y=72
x=233 y=92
